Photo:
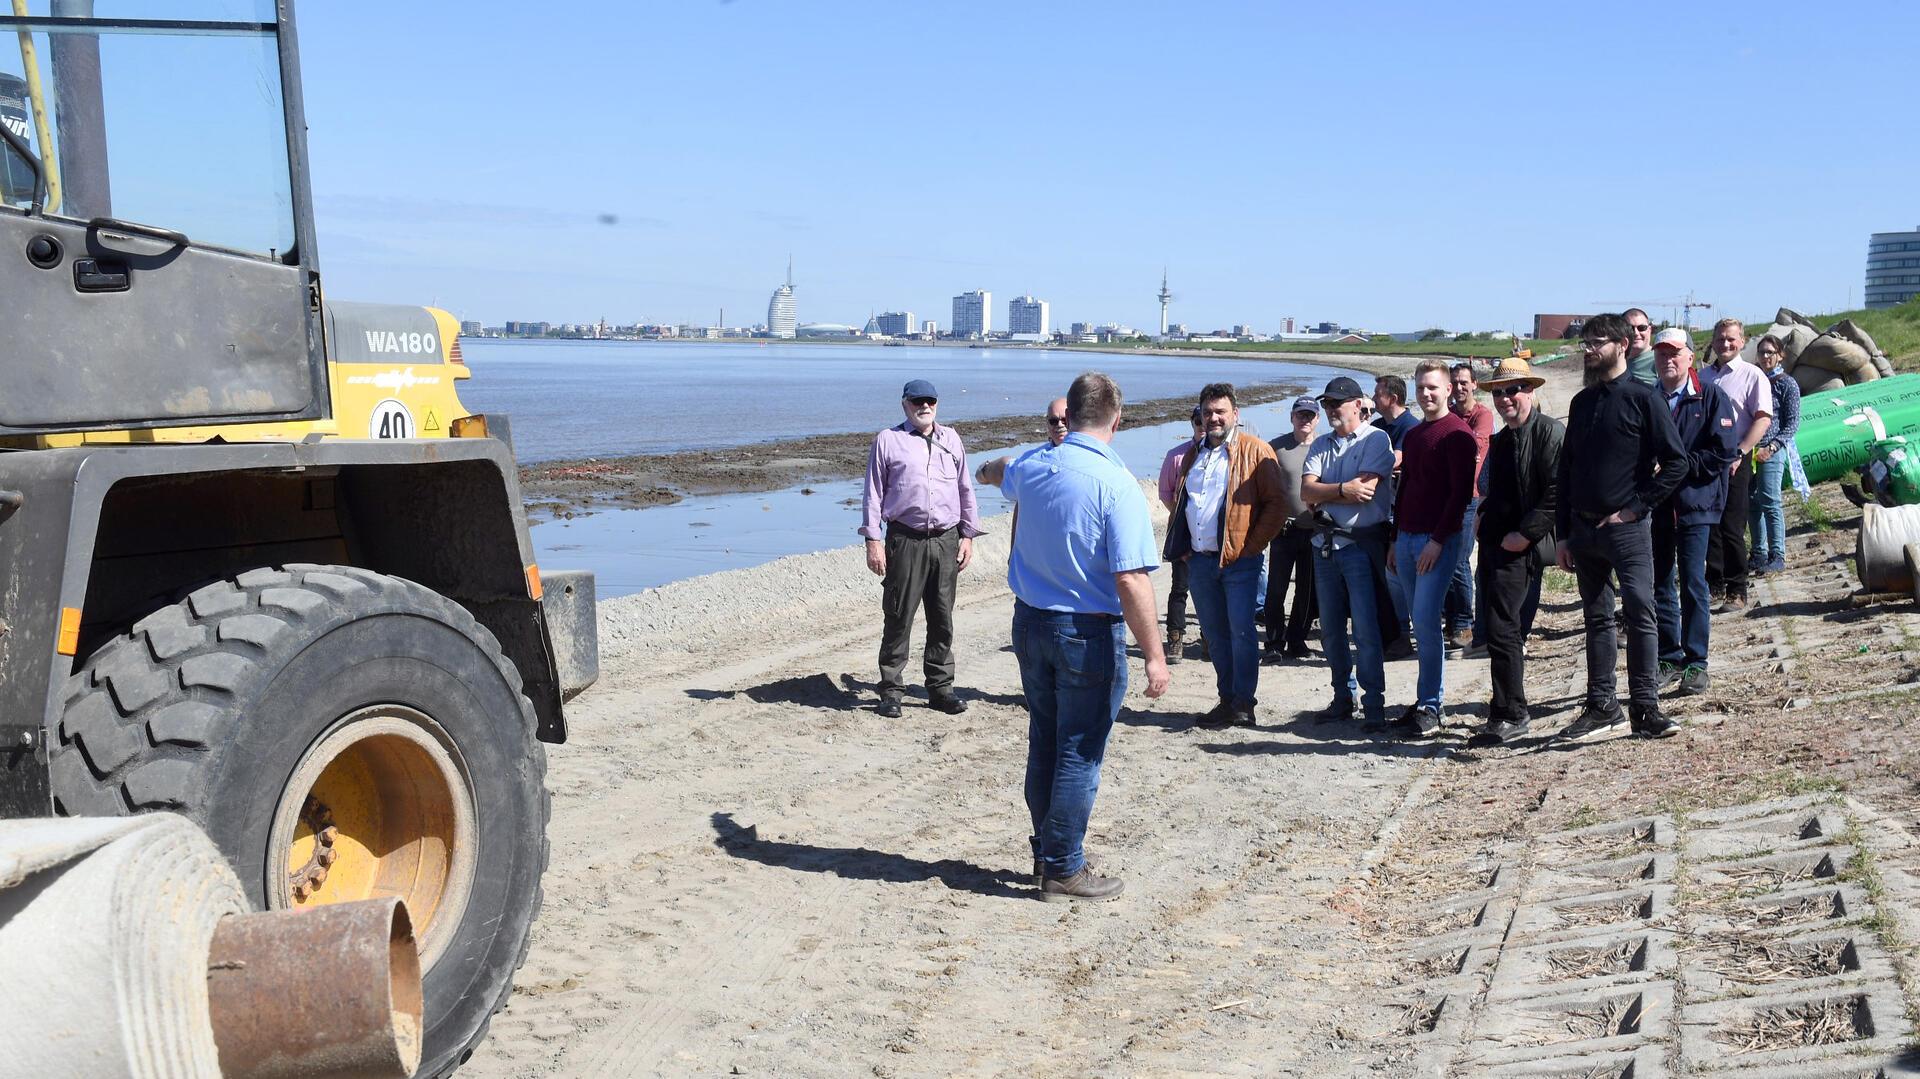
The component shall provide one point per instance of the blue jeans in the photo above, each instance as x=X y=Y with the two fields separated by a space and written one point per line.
x=1073 y=669
x=1426 y=595
x=1682 y=605
x=1343 y=585
x=1461 y=611
x=1766 y=515
x=1225 y=600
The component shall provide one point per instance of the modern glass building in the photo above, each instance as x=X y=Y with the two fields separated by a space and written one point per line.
x=1893 y=268
x=1027 y=315
x=780 y=322
x=973 y=314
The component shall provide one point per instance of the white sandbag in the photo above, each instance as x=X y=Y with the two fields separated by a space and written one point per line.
x=105 y=924
x=1880 y=549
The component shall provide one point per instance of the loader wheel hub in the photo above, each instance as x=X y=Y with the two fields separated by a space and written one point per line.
x=380 y=806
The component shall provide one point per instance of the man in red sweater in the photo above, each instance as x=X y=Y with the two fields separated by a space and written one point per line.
x=1438 y=462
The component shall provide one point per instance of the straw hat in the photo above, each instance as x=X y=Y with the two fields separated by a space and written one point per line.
x=1512 y=370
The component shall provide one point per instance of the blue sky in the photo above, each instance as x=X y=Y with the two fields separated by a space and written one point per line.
x=1388 y=165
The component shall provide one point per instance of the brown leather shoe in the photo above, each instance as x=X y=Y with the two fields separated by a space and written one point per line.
x=1083 y=887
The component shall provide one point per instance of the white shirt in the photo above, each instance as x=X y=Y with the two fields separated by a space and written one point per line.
x=1207 y=493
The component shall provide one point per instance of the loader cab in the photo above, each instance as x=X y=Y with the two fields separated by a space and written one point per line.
x=156 y=232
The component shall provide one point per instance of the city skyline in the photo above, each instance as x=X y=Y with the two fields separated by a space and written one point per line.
x=1482 y=164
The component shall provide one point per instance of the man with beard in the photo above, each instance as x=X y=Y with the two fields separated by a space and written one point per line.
x=1621 y=459
x=1231 y=505
x=1342 y=479
x=919 y=520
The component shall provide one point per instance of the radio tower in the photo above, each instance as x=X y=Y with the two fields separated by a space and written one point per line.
x=1165 y=299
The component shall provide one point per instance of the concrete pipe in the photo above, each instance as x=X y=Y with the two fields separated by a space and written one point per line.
x=1880 y=549
x=107 y=925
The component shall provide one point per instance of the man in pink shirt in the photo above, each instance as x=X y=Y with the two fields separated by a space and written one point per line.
x=1747 y=388
x=1170 y=469
x=919 y=519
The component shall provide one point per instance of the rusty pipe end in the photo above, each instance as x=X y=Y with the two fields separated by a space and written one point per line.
x=324 y=992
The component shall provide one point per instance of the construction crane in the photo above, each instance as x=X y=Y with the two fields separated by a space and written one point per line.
x=1683 y=305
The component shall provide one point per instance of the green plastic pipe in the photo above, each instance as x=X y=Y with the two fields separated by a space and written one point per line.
x=1829 y=448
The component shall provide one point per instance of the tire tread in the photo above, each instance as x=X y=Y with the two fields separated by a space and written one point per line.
x=147 y=709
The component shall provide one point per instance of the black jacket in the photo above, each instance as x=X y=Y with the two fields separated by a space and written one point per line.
x=1526 y=457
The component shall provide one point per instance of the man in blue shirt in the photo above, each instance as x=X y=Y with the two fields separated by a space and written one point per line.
x=1079 y=577
x=1347 y=478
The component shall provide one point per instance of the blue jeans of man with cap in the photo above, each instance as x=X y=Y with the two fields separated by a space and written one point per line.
x=1426 y=596
x=1681 y=599
x=1226 y=600
x=1343 y=586
x=1073 y=670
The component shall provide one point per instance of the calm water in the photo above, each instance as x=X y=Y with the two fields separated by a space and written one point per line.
x=603 y=398
x=588 y=398
x=631 y=550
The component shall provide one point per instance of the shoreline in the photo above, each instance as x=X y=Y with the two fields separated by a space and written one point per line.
x=569 y=488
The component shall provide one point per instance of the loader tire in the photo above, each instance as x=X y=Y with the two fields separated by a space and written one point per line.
x=285 y=702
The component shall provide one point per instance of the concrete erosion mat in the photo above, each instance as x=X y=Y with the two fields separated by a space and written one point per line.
x=753 y=874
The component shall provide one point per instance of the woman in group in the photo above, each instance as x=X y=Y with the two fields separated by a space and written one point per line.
x=1766 y=516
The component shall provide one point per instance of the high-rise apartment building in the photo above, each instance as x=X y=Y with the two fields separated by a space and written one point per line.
x=1893 y=268
x=896 y=323
x=1027 y=315
x=973 y=313
x=780 y=320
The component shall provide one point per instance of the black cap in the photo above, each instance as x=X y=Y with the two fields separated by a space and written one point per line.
x=1342 y=389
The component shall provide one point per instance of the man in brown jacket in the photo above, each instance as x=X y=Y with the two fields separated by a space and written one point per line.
x=1231 y=503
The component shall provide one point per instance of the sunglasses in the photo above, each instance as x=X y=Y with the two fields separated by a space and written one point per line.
x=1636 y=328
x=921 y=402
x=1056 y=421
x=1508 y=391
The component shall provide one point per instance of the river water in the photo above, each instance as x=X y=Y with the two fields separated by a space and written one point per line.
x=605 y=398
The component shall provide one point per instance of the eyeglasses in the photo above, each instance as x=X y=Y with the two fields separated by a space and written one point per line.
x=922 y=402
x=1508 y=391
x=1056 y=421
x=1640 y=327
x=1595 y=346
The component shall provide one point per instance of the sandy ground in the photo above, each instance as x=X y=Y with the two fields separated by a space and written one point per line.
x=754 y=874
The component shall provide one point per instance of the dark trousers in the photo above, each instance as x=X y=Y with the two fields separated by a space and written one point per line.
x=1727 y=543
x=1600 y=554
x=1177 y=602
x=1290 y=561
x=1507 y=581
x=921 y=571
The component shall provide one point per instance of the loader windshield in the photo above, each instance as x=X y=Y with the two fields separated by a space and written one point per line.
x=168 y=114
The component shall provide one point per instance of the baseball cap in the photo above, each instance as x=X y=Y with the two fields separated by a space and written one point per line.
x=1341 y=389
x=1673 y=337
x=1303 y=403
x=919 y=387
